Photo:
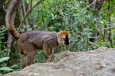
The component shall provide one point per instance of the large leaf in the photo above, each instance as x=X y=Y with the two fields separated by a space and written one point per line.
x=4 y=59
x=6 y=69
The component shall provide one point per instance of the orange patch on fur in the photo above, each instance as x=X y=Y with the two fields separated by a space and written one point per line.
x=64 y=33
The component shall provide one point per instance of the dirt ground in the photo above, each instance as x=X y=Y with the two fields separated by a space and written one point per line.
x=99 y=62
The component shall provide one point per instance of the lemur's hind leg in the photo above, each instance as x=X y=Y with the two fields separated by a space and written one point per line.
x=29 y=53
x=29 y=58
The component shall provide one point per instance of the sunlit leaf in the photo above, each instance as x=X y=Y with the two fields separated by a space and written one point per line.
x=6 y=69
x=4 y=59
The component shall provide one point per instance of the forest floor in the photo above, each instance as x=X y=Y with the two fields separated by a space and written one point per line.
x=99 y=62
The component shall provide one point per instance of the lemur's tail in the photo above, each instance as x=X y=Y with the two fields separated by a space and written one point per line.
x=10 y=18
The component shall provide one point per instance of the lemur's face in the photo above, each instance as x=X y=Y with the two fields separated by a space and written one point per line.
x=63 y=38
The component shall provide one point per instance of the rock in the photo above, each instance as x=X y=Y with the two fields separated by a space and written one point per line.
x=99 y=62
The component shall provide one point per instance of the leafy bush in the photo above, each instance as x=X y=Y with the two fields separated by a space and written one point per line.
x=2 y=47
x=3 y=66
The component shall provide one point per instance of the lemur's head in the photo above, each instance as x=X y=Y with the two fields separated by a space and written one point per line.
x=63 y=37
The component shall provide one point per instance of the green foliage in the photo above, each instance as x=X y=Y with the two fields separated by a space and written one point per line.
x=3 y=67
x=2 y=47
x=40 y=56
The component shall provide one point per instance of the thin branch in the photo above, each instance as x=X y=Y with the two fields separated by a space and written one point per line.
x=91 y=3
x=28 y=13
x=24 y=13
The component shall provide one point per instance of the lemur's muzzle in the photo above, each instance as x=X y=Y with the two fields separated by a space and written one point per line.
x=66 y=40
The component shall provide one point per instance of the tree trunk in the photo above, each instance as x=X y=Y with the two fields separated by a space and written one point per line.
x=95 y=5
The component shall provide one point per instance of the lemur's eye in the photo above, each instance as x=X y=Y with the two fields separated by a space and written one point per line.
x=63 y=36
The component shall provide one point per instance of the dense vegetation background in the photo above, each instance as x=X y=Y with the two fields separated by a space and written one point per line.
x=90 y=22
